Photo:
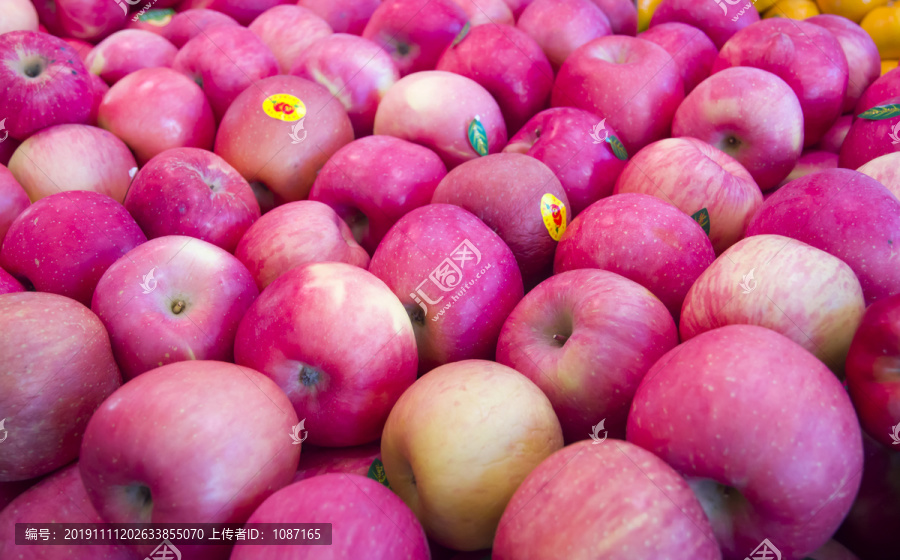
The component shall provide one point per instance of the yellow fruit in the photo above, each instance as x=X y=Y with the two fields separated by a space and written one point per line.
x=645 y=12
x=793 y=9
x=851 y=9
x=763 y=5
x=887 y=66
x=883 y=24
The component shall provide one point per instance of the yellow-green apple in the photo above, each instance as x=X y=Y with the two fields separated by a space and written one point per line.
x=188 y=24
x=242 y=11
x=806 y=56
x=415 y=32
x=509 y=64
x=288 y=30
x=343 y=16
x=416 y=109
x=355 y=70
x=691 y=48
x=519 y=198
x=868 y=139
x=374 y=181
x=156 y=109
x=44 y=82
x=266 y=137
x=495 y=426
x=65 y=242
x=622 y=15
x=588 y=173
x=13 y=200
x=834 y=138
x=649 y=87
x=811 y=161
x=456 y=278
x=295 y=333
x=73 y=157
x=586 y=338
x=695 y=176
x=845 y=213
x=367 y=521
x=884 y=169
x=641 y=238
x=482 y=12
x=317 y=461
x=863 y=60
x=18 y=15
x=58 y=367
x=295 y=234
x=90 y=20
x=193 y=192
x=612 y=488
x=8 y=284
x=154 y=451
x=98 y=89
x=707 y=408
x=719 y=20
x=561 y=26
x=784 y=285
x=129 y=50
x=193 y=311
x=879 y=92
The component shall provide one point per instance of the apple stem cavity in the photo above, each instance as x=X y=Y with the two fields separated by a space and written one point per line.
x=310 y=376
x=416 y=314
x=561 y=338
x=141 y=497
x=178 y=306
x=33 y=68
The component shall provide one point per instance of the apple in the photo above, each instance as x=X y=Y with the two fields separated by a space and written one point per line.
x=343 y=16
x=641 y=238
x=47 y=17
x=593 y=502
x=99 y=90
x=415 y=32
x=295 y=234
x=83 y=48
x=374 y=181
x=833 y=550
x=156 y=109
x=561 y=26
x=509 y=64
x=288 y=30
x=879 y=92
x=10 y=490
x=863 y=60
x=834 y=138
x=845 y=213
x=811 y=161
x=18 y=15
x=484 y=12
x=649 y=87
x=517 y=6
x=13 y=200
x=65 y=242
x=622 y=15
x=189 y=191
x=242 y=11
x=90 y=20
x=73 y=157
x=367 y=521
x=317 y=461
x=806 y=56
x=58 y=369
x=7 y=147
x=703 y=408
x=416 y=109
x=884 y=169
x=45 y=83
x=587 y=175
x=869 y=139
x=695 y=176
x=495 y=427
x=9 y=285
x=188 y=24
x=128 y=50
x=719 y=20
x=691 y=48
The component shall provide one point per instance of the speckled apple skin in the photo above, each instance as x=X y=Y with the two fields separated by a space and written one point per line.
x=867 y=139
x=706 y=16
x=13 y=200
x=622 y=14
x=847 y=214
x=575 y=22
x=863 y=59
x=344 y=16
x=884 y=169
x=289 y=30
x=8 y=284
x=835 y=136
x=58 y=367
x=242 y=11
x=811 y=161
x=185 y=25
x=129 y=50
x=487 y=12
x=691 y=48
x=882 y=89
x=88 y=20
x=708 y=408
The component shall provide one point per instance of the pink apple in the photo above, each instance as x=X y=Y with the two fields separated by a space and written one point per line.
x=297 y=334
x=13 y=200
x=288 y=30
x=9 y=285
x=83 y=48
x=863 y=60
x=691 y=48
x=295 y=234
x=266 y=137
x=343 y=16
x=58 y=369
x=367 y=521
x=561 y=26
x=73 y=157
x=880 y=91
x=649 y=87
x=509 y=64
x=129 y=50
x=869 y=139
x=65 y=242
x=48 y=17
x=45 y=83
x=374 y=181
x=704 y=408
x=163 y=101
x=719 y=20
x=457 y=279
x=10 y=490
x=189 y=191
x=484 y=12
x=811 y=161
x=622 y=15
x=833 y=550
x=188 y=24
x=496 y=426
x=18 y=15
x=8 y=146
x=845 y=213
x=884 y=169
x=834 y=138
x=99 y=90
x=317 y=461
x=91 y=20
x=243 y=11
x=416 y=109
x=593 y=502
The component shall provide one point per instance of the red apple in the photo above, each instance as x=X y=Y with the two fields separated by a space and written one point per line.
x=10 y=490
x=811 y=161
x=48 y=17
x=517 y=6
x=129 y=50
x=8 y=146
x=317 y=461
x=833 y=550
x=868 y=139
x=83 y=48
x=288 y=30
x=18 y=15
x=9 y=285
x=484 y=12
x=99 y=90
x=13 y=200
x=561 y=26
x=188 y=24
x=243 y=11
x=834 y=138
x=91 y=20
x=343 y=16
x=884 y=169
x=719 y=20
x=691 y=48
x=863 y=60
x=880 y=91
x=622 y=15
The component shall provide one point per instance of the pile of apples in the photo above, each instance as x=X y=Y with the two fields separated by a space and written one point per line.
x=465 y=279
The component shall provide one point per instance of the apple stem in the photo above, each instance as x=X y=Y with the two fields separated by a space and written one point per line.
x=178 y=307
x=560 y=338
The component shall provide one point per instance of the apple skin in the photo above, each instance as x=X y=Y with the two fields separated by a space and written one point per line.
x=9 y=491
x=612 y=486
x=586 y=338
x=288 y=30
x=88 y=19
x=18 y=15
x=260 y=148
x=484 y=12
x=163 y=101
x=867 y=139
x=845 y=213
x=65 y=242
x=242 y=11
x=884 y=169
x=317 y=461
x=705 y=16
x=60 y=91
x=416 y=109
x=691 y=48
x=367 y=519
x=879 y=92
x=699 y=409
x=9 y=285
x=296 y=331
x=639 y=110
x=834 y=138
x=128 y=50
x=7 y=148
x=374 y=181
x=343 y=16
x=73 y=157
x=509 y=64
x=193 y=192
x=572 y=23
x=833 y=550
x=693 y=175
x=641 y=238
x=13 y=200
x=99 y=89
x=811 y=161
x=496 y=426
x=188 y=24
x=59 y=367
x=153 y=452
x=806 y=56
x=83 y=48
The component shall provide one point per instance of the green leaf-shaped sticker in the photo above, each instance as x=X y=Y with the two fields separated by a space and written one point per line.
x=376 y=472
x=158 y=17
x=462 y=34
x=617 y=147
x=478 y=137
x=881 y=113
x=702 y=217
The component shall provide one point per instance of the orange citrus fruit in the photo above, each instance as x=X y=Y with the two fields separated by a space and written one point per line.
x=853 y=10
x=793 y=9
x=883 y=24
x=887 y=66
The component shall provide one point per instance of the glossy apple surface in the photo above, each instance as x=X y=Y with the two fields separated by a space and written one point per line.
x=344 y=16
x=718 y=20
x=863 y=60
x=869 y=139
x=242 y=11
x=886 y=170
x=18 y=15
x=89 y=20
x=129 y=50
x=13 y=200
x=8 y=284
x=880 y=91
x=572 y=24
x=316 y=461
x=811 y=161
x=98 y=90
x=691 y=48
x=622 y=14
x=189 y=23
x=288 y=30
x=834 y=138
